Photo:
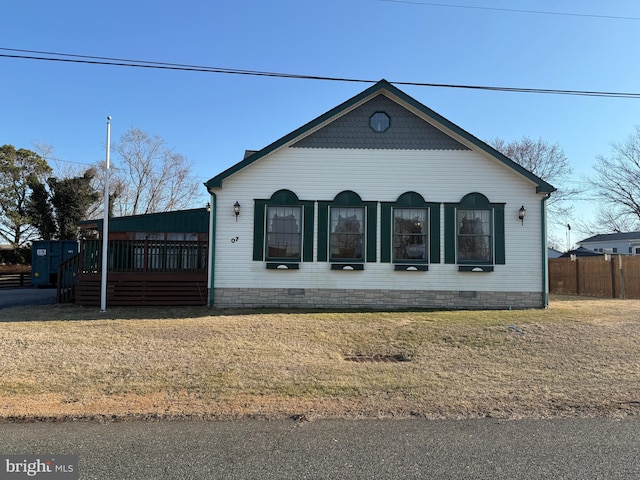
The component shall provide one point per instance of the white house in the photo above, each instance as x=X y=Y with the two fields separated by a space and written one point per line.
x=379 y=203
x=620 y=243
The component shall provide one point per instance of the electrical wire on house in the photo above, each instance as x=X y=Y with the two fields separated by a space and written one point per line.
x=120 y=62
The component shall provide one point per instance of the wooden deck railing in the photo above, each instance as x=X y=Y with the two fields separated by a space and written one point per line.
x=143 y=272
x=66 y=284
x=145 y=256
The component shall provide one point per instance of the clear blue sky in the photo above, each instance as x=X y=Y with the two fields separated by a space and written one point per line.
x=212 y=118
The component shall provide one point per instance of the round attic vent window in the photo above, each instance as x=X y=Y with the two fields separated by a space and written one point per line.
x=379 y=122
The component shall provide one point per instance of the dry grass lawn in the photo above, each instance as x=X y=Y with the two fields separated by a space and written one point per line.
x=579 y=357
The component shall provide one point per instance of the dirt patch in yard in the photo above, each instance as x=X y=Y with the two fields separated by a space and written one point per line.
x=579 y=357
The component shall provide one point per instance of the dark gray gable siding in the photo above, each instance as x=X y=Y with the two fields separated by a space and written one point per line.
x=407 y=131
x=381 y=86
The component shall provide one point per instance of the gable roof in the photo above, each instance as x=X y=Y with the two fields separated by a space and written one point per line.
x=390 y=90
x=612 y=237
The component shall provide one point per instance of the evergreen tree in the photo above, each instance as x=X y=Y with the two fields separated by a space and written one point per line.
x=71 y=198
x=18 y=170
x=40 y=211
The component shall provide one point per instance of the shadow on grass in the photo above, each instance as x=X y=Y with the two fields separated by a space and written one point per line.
x=576 y=298
x=72 y=312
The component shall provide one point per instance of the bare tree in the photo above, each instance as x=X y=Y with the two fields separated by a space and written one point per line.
x=544 y=160
x=149 y=177
x=617 y=186
x=61 y=168
x=548 y=162
x=609 y=220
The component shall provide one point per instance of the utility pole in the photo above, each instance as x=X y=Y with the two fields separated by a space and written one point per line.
x=105 y=224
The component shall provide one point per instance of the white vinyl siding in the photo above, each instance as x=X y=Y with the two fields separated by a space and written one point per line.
x=381 y=176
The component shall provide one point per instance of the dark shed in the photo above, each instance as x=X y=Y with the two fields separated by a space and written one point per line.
x=153 y=259
x=180 y=221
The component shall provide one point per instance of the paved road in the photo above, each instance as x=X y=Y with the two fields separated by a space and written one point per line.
x=14 y=297
x=330 y=449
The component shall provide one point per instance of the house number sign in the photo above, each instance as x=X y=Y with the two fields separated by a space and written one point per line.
x=235 y=239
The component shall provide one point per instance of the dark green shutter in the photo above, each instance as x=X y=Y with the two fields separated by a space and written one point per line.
x=307 y=238
x=449 y=233
x=258 y=230
x=372 y=227
x=498 y=231
x=323 y=230
x=434 y=233
x=385 y=232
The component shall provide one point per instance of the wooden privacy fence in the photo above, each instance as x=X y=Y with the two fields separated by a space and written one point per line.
x=15 y=280
x=607 y=276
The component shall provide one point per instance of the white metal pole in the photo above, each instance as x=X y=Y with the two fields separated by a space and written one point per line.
x=105 y=224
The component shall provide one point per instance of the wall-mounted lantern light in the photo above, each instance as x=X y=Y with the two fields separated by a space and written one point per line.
x=521 y=213
x=208 y=207
x=236 y=210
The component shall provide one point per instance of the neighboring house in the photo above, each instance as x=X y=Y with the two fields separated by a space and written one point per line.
x=580 y=252
x=621 y=243
x=553 y=253
x=379 y=203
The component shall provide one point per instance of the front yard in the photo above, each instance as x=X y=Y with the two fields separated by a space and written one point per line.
x=579 y=357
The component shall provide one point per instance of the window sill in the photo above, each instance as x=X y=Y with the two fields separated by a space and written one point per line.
x=411 y=268
x=347 y=266
x=282 y=266
x=475 y=268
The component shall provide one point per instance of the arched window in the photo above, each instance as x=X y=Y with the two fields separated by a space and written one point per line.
x=283 y=229
x=347 y=229
x=410 y=232
x=474 y=232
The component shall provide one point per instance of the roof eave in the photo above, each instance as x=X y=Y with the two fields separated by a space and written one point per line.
x=216 y=182
x=541 y=185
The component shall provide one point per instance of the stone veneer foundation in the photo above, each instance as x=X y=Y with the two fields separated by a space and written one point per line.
x=372 y=299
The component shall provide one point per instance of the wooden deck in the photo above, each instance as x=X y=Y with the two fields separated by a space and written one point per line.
x=140 y=272
x=142 y=289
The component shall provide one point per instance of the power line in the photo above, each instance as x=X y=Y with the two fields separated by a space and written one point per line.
x=511 y=10
x=55 y=159
x=120 y=62
x=112 y=60
x=167 y=66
